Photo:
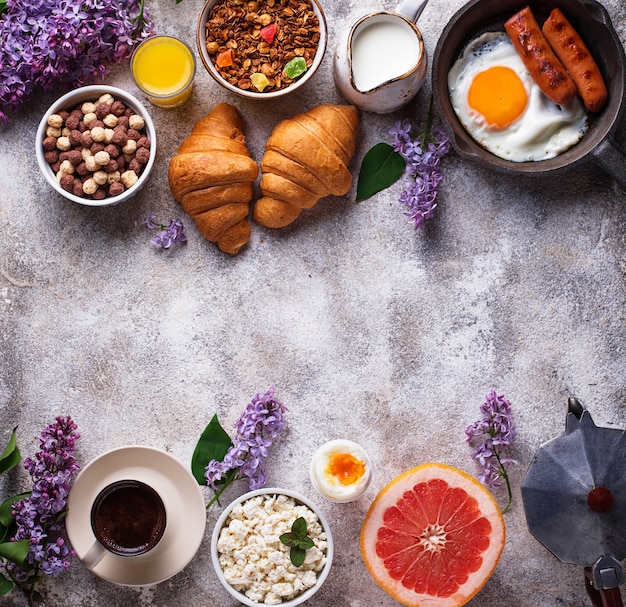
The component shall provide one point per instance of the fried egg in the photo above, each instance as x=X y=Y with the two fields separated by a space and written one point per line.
x=503 y=109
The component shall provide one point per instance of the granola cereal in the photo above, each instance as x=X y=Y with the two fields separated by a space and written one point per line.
x=251 y=42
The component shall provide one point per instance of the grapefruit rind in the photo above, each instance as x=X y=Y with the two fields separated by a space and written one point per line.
x=391 y=494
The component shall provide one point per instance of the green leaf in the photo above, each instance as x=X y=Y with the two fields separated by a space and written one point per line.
x=11 y=455
x=38 y=597
x=298 y=528
x=6 y=516
x=381 y=167
x=213 y=444
x=5 y=585
x=306 y=543
x=289 y=539
x=15 y=551
x=297 y=555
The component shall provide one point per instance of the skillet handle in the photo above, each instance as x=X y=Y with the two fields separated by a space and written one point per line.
x=610 y=597
x=612 y=160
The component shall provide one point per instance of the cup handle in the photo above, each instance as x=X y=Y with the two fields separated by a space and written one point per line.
x=94 y=555
x=411 y=9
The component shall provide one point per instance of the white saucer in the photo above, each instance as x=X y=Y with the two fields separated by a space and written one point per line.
x=184 y=504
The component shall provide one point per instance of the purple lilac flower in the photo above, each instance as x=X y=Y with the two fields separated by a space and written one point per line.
x=422 y=158
x=491 y=436
x=168 y=235
x=39 y=517
x=70 y=43
x=260 y=424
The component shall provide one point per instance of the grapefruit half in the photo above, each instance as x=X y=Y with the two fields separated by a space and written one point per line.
x=433 y=537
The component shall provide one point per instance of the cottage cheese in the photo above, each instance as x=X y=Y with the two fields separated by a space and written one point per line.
x=256 y=562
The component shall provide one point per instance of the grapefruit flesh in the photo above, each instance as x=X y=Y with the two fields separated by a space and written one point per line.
x=433 y=537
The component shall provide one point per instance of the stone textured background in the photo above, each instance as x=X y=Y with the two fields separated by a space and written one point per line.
x=367 y=329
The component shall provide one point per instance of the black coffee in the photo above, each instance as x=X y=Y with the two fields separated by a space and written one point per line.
x=128 y=517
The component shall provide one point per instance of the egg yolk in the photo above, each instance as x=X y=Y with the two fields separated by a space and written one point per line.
x=345 y=468
x=499 y=95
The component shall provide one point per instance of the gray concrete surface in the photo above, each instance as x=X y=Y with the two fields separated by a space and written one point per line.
x=368 y=330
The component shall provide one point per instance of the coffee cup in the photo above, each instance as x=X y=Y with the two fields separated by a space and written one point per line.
x=128 y=519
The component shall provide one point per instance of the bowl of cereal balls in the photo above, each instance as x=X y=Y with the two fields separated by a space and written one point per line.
x=96 y=145
x=272 y=546
x=260 y=49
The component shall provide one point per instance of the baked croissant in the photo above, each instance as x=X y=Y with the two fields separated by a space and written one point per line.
x=305 y=159
x=212 y=176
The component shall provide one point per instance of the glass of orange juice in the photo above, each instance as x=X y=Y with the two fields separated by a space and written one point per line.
x=164 y=67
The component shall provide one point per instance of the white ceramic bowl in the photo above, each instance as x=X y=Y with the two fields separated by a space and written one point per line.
x=251 y=94
x=68 y=102
x=322 y=575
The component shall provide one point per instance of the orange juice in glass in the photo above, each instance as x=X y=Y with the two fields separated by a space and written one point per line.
x=164 y=67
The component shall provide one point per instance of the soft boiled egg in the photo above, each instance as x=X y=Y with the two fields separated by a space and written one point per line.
x=503 y=109
x=340 y=470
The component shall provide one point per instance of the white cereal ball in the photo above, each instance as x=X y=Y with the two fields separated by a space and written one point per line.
x=63 y=144
x=110 y=120
x=136 y=122
x=55 y=120
x=53 y=131
x=91 y=164
x=88 y=107
x=89 y=117
x=106 y=98
x=113 y=176
x=129 y=178
x=102 y=158
x=108 y=135
x=97 y=134
x=89 y=186
x=100 y=177
x=130 y=147
x=66 y=167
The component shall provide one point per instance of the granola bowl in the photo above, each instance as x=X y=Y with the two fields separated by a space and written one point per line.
x=262 y=50
x=251 y=562
x=61 y=152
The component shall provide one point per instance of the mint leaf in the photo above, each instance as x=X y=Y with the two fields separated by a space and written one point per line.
x=213 y=444
x=298 y=541
x=381 y=167
x=306 y=543
x=298 y=528
x=289 y=539
x=297 y=556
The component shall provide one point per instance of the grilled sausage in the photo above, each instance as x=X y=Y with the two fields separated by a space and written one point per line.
x=539 y=58
x=577 y=59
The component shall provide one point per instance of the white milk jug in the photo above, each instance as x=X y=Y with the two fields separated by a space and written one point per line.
x=381 y=63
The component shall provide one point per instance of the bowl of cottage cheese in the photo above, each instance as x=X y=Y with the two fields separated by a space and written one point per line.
x=251 y=562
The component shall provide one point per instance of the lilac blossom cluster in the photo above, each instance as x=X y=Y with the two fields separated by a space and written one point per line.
x=492 y=436
x=168 y=234
x=423 y=157
x=39 y=517
x=74 y=42
x=259 y=425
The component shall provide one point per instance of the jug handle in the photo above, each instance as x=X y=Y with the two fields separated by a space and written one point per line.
x=411 y=9
x=610 y=597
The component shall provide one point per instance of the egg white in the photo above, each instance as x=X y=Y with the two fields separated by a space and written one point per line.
x=544 y=129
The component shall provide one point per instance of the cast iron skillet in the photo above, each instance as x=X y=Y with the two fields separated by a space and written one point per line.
x=593 y=23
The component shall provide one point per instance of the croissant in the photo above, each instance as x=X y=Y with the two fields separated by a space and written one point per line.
x=306 y=158
x=212 y=177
